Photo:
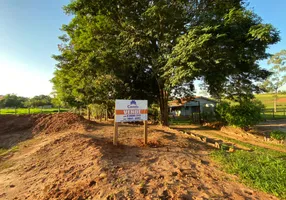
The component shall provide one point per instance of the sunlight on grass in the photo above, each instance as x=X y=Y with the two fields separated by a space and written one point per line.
x=4 y=151
x=257 y=169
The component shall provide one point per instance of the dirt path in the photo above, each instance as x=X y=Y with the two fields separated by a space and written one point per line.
x=228 y=133
x=85 y=165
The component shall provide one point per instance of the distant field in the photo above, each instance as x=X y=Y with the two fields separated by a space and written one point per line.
x=267 y=100
x=20 y=111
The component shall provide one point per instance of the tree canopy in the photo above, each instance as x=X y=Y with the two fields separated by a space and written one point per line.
x=154 y=49
x=12 y=101
x=278 y=69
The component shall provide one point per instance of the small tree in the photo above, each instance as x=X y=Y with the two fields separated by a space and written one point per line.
x=278 y=77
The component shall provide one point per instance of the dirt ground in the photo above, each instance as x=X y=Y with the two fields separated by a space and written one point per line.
x=78 y=161
x=279 y=124
x=254 y=137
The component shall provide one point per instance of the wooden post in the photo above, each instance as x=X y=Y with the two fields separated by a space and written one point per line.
x=88 y=112
x=115 y=134
x=145 y=132
x=106 y=114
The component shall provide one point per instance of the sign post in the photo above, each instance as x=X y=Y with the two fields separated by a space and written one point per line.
x=130 y=111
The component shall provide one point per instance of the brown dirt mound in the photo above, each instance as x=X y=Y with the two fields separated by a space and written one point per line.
x=17 y=128
x=59 y=122
x=14 y=123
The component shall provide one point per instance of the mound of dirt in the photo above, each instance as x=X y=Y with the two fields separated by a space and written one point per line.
x=73 y=165
x=14 y=123
x=17 y=128
x=59 y=122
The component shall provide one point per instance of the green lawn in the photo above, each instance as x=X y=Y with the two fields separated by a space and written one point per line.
x=261 y=168
x=20 y=111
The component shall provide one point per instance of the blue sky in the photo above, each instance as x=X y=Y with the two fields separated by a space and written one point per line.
x=29 y=33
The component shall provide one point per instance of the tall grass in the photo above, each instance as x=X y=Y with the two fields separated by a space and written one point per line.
x=261 y=170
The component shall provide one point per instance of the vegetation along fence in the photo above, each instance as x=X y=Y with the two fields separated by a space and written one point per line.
x=19 y=111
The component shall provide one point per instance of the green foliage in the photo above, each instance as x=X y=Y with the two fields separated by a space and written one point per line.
x=278 y=135
x=12 y=101
x=278 y=69
x=154 y=113
x=227 y=47
x=257 y=169
x=40 y=100
x=154 y=49
x=244 y=114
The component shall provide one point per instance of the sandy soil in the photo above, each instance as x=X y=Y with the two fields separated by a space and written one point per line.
x=83 y=164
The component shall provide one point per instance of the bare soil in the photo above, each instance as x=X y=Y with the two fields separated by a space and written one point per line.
x=80 y=162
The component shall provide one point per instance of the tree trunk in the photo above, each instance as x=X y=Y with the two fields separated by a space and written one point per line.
x=106 y=113
x=163 y=101
x=88 y=112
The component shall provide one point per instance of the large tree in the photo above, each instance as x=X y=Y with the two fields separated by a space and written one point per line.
x=158 y=48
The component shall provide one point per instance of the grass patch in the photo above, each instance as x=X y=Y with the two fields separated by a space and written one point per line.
x=258 y=169
x=21 y=111
x=267 y=100
x=180 y=121
x=4 y=151
x=278 y=135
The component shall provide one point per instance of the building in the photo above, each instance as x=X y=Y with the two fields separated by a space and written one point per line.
x=189 y=106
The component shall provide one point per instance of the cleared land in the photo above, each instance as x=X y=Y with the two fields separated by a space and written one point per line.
x=64 y=156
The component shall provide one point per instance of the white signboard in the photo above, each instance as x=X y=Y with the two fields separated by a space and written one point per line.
x=131 y=110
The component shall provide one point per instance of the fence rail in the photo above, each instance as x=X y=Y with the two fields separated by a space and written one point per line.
x=270 y=113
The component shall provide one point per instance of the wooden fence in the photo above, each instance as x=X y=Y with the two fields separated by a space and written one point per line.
x=271 y=114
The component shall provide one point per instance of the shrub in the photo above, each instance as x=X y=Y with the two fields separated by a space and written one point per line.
x=153 y=113
x=242 y=115
x=278 y=135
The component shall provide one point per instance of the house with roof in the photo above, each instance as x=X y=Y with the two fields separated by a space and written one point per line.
x=189 y=106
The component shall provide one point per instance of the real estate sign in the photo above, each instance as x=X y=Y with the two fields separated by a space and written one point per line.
x=131 y=110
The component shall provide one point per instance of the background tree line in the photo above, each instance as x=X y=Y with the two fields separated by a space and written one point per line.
x=14 y=101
